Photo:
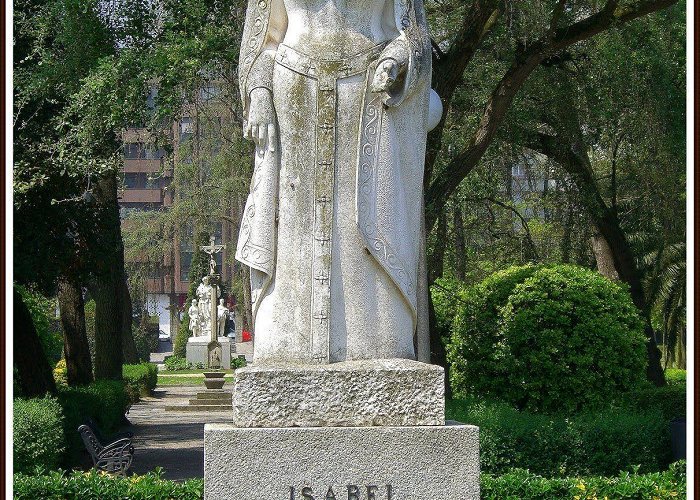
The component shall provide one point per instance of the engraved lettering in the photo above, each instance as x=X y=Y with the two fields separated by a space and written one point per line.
x=388 y=492
x=371 y=492
x=330 y=494
x=353 y=492
x=306 y=493
x=291 y=493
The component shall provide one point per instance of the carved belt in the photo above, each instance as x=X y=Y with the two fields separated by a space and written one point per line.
x=326 y=73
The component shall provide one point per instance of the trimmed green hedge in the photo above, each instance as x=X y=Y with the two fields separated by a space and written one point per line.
x=670 y=400
x=516 y=485
x=140 y=379
x=675 y=376
x=553 y=339
x=95 y=486
x=595 y=443
x=104 y=401
x=523 y=485
x=37 y=434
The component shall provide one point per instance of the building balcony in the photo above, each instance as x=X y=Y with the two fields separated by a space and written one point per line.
x=143 y=165
x=141 y=196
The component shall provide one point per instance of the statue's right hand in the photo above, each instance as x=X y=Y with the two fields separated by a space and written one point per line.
x=261 y=127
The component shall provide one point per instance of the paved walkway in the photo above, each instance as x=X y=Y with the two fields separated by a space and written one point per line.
x=168 y=439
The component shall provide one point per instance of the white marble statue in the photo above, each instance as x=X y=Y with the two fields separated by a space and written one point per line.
x=194 y=323
x=336 y=98
x=204 y=290
x=221 y=316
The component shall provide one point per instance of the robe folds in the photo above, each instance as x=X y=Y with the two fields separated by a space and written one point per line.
x=332 y=228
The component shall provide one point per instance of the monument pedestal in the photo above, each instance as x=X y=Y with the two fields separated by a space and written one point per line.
x=342 y=463
x=197 y=352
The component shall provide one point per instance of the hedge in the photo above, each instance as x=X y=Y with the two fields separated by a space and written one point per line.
x=556 y=339
x=516 y=485
x=104 y=401
x=523 y=485
x=37 y=434
x=594 y=443
x=140 y=379
x=98 y=486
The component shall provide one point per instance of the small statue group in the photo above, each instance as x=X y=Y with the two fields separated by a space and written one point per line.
x=200 y=311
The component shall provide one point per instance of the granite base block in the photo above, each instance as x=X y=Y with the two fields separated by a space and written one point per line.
x=341 y=463
x=380 y=392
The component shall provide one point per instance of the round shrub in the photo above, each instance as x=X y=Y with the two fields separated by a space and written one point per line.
x=562 y=339
x=474 y=330
x=37 y=434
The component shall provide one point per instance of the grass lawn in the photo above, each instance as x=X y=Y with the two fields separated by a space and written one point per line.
x=192 y=380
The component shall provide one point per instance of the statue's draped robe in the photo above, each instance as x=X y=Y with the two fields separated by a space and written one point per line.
x=332 y=226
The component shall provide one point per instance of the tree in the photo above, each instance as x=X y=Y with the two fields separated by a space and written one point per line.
x=35 y=375
x=536 y=34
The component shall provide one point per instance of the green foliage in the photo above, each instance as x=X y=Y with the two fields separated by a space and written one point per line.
x=60 y=374
x=175 y=363
x=183 y=333
x=523 y=485
x=238 y=362
x=670 y=400
x=553 y=339
x=43 y=314
x=471 y=348
x=675 y=376
x=95 y=486
x=140 y=379
x=516 y=485
x=146 y=340
x=104 y=401
x=601 y=442
x=37 y=434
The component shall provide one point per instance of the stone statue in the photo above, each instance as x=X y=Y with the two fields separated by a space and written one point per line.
x=204 y=290
x=221 y=316
x=194 y=324
x=337 y=99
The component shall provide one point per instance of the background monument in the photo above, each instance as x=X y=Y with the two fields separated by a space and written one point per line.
x=337 y=99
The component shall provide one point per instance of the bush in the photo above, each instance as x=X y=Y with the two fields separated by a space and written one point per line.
x=175 y=363
x=140 y=379
x=37 y=432
x=565 y=339
x=146 y=340
x=474 y=330
x=60 y=373
x=104 y=401
x=524 y=485
x=516 y=485
x=95 y=486
x=183 y=333
x=594 y=443
x=675 y=376
x=42 y=311
x=670 y=400
x=238 y=362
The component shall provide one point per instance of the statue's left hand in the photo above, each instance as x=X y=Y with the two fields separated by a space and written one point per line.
x=385 y=75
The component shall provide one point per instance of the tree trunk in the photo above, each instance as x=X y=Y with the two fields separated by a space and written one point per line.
x=107 y=287
x=35 y=377
x=569 y=150
x=129 y=352
x=603 y=256
x=75 y=343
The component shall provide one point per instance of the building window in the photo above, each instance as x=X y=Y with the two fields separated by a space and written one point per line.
x=132 y=151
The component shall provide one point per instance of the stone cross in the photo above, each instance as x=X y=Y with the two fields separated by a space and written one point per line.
x=211 y=250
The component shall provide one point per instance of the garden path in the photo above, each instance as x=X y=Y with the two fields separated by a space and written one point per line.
x=169 y=439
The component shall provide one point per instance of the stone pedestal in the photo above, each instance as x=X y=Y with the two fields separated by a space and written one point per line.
x=387 y=392
x=341 y=463
x=197 y=352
